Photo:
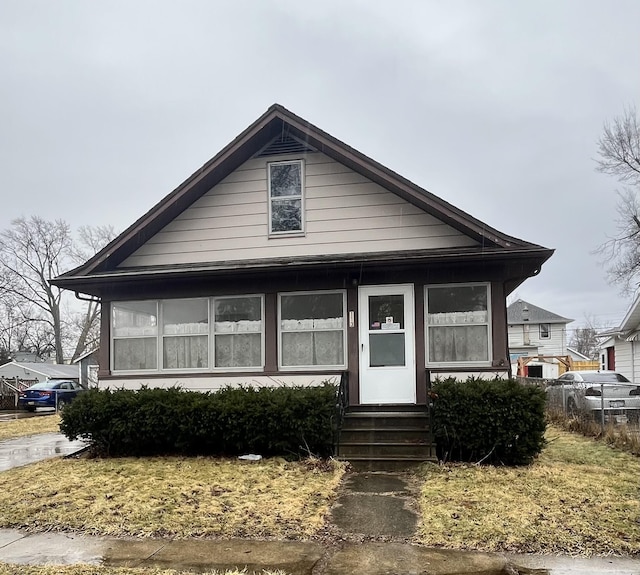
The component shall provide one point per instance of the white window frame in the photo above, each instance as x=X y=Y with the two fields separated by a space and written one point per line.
x=548 y=336
x=160 y=335
x=113 y=337
x=288 y=233
x=212 y=344
x=280 y=331
x=488 y=324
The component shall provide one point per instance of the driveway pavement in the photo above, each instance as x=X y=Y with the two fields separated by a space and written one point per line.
x=24 y=450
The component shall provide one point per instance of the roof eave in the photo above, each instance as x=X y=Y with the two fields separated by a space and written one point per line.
x=91 y=283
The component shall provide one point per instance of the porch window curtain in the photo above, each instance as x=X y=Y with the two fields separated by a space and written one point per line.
x=312 y=328
x=185 y=352
x=458 y=343
x=458 y=323
x=313 y=348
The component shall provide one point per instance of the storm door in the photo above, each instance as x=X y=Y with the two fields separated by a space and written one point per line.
x=387 y=354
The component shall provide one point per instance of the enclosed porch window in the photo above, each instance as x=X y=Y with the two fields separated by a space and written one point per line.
x=177 y=334
x=312 y=329
x=458 y=324
x=134 y=328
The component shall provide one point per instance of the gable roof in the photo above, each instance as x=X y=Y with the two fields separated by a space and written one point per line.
x=629 y=328
x=536 y=314
x=576 y=355
x=278 y=125
x=50 y=370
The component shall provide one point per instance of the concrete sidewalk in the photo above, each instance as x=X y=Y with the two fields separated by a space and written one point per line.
x=292 y=557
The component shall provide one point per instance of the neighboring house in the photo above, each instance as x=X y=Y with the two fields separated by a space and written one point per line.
x=620 y=347
x=37 y=371
x=88 y=366
x=534 y=331
x=291 y=258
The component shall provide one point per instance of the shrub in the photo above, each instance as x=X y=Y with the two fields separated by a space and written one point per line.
x=490 y=421
x=270 y=421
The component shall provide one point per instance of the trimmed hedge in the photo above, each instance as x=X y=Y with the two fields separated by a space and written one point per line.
x=269 y=421
x=491 y=421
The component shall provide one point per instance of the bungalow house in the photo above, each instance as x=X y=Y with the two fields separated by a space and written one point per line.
x=291 y=258
x=534 y=331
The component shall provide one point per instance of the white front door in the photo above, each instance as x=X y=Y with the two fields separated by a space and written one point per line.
x=387 y=348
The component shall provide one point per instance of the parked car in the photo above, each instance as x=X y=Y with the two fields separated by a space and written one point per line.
x=54 y=393
x=590 y=391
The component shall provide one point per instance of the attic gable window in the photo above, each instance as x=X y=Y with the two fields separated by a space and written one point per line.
x=286 y=202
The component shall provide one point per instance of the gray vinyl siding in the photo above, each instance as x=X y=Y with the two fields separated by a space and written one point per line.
x=344 y=213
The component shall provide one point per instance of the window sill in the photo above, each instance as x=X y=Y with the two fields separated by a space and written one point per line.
x=277 y=235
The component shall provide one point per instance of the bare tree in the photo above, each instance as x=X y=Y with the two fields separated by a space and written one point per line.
x=619 y=148
x=33 y=251
x=585 y=341
x=619 y=156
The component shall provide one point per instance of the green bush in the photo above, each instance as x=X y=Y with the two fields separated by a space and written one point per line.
x=490 y=421
x=269 y=421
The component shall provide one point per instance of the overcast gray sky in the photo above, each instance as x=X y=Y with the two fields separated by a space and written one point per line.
x=495 y=106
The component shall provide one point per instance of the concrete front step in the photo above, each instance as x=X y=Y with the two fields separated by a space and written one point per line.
x=388 y=463
x=386 y=419
x=379 y=449
x=378 y=439
x=374 y=435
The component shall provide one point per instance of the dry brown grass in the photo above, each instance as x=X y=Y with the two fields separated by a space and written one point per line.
x=29 y=426
x=7 y=569
x=580 y=497
x=625 y=437
x=170 y=497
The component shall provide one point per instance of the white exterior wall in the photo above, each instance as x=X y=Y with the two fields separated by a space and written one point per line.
x=344 y=213
x=555 y=345
x=464 y=375
x=214 y=383
x=627 y=355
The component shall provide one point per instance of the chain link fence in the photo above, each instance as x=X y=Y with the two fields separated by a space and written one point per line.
x=603 y=403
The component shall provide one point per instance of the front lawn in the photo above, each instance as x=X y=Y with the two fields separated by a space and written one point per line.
x=170 y=497
x=579 y=497
x=29 y=426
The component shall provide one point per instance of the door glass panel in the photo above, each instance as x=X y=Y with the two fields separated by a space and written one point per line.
x=386 y=312
x=386 y=349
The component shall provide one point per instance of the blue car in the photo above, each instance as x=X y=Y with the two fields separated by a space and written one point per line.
x=54 y=393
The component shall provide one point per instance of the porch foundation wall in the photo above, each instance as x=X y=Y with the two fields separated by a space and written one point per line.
x=215 y=383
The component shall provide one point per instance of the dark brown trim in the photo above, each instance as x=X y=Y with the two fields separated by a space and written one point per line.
x=271 y=332
x=353 y=347
x=499 y=326
x=104 y=351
